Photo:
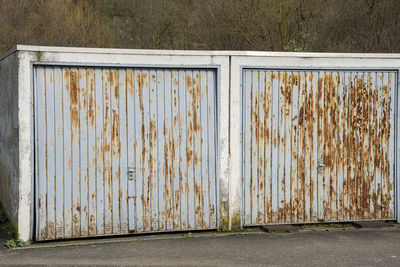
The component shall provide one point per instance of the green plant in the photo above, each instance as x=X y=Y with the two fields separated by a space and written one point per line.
x=13 y=243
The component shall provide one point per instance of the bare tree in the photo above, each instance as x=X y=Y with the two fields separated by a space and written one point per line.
x=283 y=25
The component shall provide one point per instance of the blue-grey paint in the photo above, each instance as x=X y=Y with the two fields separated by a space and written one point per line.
x=122 y=150
x=291 y=124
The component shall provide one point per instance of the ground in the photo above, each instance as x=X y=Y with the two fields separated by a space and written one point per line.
x=349 y=246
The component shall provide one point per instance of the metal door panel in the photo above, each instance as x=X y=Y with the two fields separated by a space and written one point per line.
x=59 y=150
x=122 y=150
x=123 y=145
x=91 y=141
x=183 y=173
x=99 y=141
x=130 y=109
x=330 y=156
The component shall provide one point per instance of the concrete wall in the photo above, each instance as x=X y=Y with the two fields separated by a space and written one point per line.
x=9 y=136
x=297 y=61
x=16 y=112
x=100 y=57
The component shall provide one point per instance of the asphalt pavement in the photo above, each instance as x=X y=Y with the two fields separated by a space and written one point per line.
x=364 y=247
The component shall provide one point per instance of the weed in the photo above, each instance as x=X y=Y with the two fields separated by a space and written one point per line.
x=13 y=243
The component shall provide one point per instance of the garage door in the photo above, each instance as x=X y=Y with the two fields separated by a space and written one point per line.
x=121 y=150
x=318 y=146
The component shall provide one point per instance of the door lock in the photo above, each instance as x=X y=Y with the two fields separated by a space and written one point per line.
x=131 y=173
x=320 y=166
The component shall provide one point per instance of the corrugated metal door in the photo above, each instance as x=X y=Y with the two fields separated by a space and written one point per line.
x=318 y=146
x=122 y=150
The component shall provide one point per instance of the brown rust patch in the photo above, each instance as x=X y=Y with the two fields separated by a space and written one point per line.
x=51 y=230
x=129 y=81
x=140 y=81
x=69 y=162
x=196 y=104
x=189 y=84
x=51 y=82
x=67 y=77
x=75 y=220
x=153 y=155
x=287 y=90
x=115 y=132
x=74 y=99
x=91 y=98
x=197 y=191
x=177 y=201
x=114 y=81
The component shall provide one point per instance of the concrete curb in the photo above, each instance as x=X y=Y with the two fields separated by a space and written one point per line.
x=75 y=243
x=186 y=235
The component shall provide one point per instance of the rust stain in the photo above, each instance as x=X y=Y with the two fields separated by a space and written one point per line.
x=74 y=100
x=152 y=160
x=51 y=82
x=67 y=80
x=91 y=98
x=177 y=201
x=129 y=81
x=197 y=192
x=371 y=181
x=140 y=80
x=115 y=133
x=75 y=220
x=196 y=103
x=69 y=162
x=50 y=230
x=107 y=145
x=175 y=99
x=114 y=81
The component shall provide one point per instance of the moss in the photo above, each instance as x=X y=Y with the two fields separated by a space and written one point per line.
x=236 y=221
x=333 y=225
x=39 y=55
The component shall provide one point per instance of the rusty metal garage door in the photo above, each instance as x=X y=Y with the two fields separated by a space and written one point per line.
x=121 y=150
x=318 y=146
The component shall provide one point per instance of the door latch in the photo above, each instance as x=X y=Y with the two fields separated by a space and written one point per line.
x=320 y=166
x=131 y=173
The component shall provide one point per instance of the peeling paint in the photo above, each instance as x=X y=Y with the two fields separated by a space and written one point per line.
x=166 y=116
x=338 y=120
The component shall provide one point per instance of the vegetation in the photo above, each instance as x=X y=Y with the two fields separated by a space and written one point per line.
x=13 y=243
x=275 y=25
x=329 y=225
x=7 y=229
